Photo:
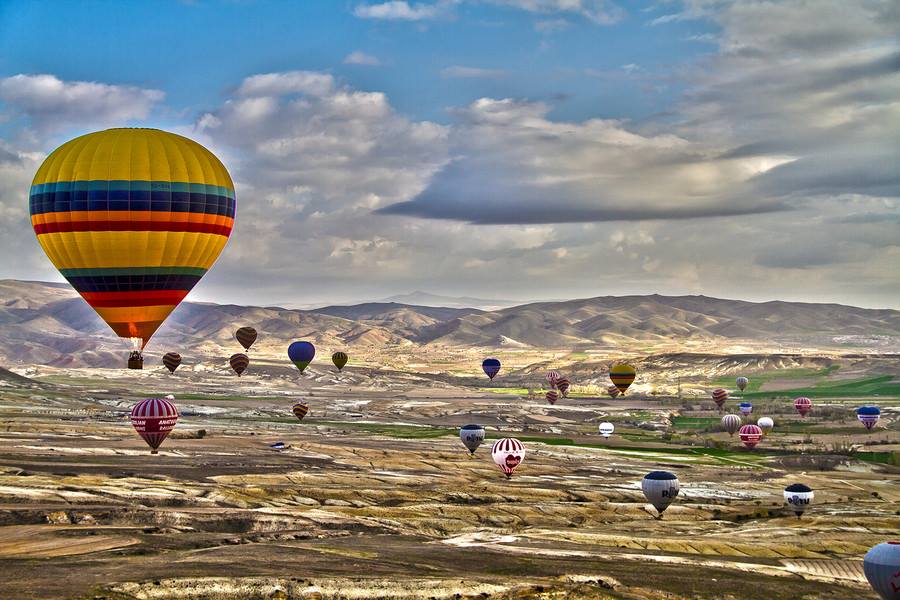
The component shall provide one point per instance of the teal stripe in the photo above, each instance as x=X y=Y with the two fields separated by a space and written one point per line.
x=102 y=272
x=136 y=185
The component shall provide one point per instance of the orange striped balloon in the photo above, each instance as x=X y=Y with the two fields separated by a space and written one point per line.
x=245 y=336
x=300 y=410
x=239 y=362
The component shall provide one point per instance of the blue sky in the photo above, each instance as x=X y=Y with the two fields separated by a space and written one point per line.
x=519 y=149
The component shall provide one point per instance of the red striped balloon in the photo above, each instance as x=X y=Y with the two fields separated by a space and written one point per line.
x=552 y=396
x=153 y=419
x=552 y=378
x=508 y=454
x=719 y=396
x=750 y=435
x=563 y=386
x=803 y=405
x=239 y=362
x=245 y=337
x=613 y=391
x=171 y=361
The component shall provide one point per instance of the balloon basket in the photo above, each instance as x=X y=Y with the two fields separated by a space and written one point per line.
x=154 y=452
x=135 y=361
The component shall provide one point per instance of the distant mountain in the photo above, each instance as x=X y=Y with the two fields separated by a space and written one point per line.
x=425 y=299
x=45 y=323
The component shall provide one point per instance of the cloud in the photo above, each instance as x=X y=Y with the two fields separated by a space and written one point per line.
x=401 y=10
x=289 y=82
x=52 y=105
x=460 y=72
x=598 y=11
x=551 y=25
x=361 y=58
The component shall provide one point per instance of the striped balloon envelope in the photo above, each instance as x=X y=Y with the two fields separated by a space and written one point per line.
x=171 y=360
x=868 y=416
x=300 y=410
x=731 y=423
x=741 y=383
x=552 y=396
x=339 y=359
x=132 y=218
x=613 y=391
x=746 y=408
x=153 y=419
x=508 y=454
x=239 y=362
x=563 y=386
x=750 y=435
x=622 y=376
x=552 y=378
x=803 y=405
x=245 y=336
x=719 y=396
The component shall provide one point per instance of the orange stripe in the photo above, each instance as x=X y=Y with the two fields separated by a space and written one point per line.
x=127 y=215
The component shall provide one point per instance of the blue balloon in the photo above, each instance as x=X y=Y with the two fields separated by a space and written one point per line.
x=301 y=354
x=491 y=367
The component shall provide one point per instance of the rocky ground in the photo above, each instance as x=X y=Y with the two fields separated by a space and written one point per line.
x=374 y=496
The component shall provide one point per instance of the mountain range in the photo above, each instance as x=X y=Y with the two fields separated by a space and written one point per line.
x=48 y=323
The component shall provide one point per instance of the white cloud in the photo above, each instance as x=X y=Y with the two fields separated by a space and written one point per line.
x=361 y=58
x=599 y=11
x=289 y=82
x=460 y=72
x=52 y=105
x=401 y=10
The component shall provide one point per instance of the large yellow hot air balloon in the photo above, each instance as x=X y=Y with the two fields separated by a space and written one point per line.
x=132 y=218
x=622 y=375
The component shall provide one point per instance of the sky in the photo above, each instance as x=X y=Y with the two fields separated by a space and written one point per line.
x=513 y=149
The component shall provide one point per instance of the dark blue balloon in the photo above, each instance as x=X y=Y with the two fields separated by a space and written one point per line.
x=301 y=352
x=491 y=367
x=868 y=410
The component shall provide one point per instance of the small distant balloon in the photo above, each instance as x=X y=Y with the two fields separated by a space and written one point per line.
x=613 y=391
x=563 y=386
x=491 y=366
x=339 y=359
x=731 y=423
x=750 y=435
x=798 y=497
x=171 y=360
x=622 y=376
x=868 y=416
x=766 y=424
x=742 y=383
x=803 y=405
x=239 y=362
x=301 y=354
x=153 y=419
x=552 y=396
x=245 y=336
x=508 y=454
x=606 y=429
x=300 y=410
x=472 y=436
x=660 y=488
x=746 y=408
x=552 y=378
x=719 y=396
x=882 y=568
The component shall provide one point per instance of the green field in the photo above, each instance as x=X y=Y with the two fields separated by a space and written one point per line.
x=758 y=379
x=880 y=386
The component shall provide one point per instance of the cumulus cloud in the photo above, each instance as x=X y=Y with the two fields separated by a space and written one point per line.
x=401 y=10
x=361 y=58
x=51 y=104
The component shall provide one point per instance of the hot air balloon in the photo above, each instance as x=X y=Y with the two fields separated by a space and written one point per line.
x=239 y=362
x=472 y=436
x=508 y=454
x=563 y=386
x=766 y=424
x=661 y=489
x=613 y=391
x=153 y=419
x=882 y=568
x=746 y=408
x=868 y=415
x=132 y=218
x=742 y=383
x=731 y=423
x=245 y=337
x=339 y=359
x=803 y=405
x=552 y=378
x=171 y=360
x=798 y=497
x=552 y=396
x=300 y=410
x=491 y=367
x=750 y=435
x=606 y=429
x=622 y=376
x=719 y=396
x=301 y=354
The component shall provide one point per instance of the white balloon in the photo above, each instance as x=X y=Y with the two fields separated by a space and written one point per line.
x=606 y=429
